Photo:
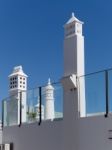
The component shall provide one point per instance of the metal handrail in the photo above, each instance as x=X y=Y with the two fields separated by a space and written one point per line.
x=40 y=104
x=92 y=73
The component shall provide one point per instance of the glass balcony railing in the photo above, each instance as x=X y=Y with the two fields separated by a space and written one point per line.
x=110 y=91
x=31 y=102
x=11 y=111
x=97 y=91
x=46 y=103
x=94 y=93
x=36 y=105
x=52 y=102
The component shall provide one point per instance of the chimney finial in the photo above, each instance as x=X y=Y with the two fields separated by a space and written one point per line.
x=49 y=81
x=73 y=15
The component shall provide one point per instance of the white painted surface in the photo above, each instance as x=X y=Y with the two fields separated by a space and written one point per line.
x=17 y=84
x=94 y=133
x=33 y=137
x=0 y=132
x=90 y=133
x=49 y=102
x=73 y=19
x=74 y=58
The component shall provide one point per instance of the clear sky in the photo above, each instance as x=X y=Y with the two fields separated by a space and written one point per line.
x=31 y=35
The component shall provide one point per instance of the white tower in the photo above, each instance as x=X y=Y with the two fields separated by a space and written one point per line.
x=49 y=102
x=17 y=84
x=74 y=56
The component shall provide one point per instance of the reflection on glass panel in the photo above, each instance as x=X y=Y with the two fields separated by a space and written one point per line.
x=58 y=94
x=52 y=101
x=110 y=89
x=32 y=104
x=94 y=93
x=11 y=111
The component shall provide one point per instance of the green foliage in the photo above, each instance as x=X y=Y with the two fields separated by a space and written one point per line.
x=31 y=115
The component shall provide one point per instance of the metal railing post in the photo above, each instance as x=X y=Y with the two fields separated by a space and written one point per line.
x=40 y=104
x=106 y=92
x=20 y=109
x=2 y=114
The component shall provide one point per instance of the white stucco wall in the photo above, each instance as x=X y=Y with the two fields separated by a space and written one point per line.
x=90 y=133
x=94 y=133
x=0 y=136
x=48 y=136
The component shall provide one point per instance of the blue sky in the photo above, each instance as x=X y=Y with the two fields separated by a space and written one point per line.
x=31 y=35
